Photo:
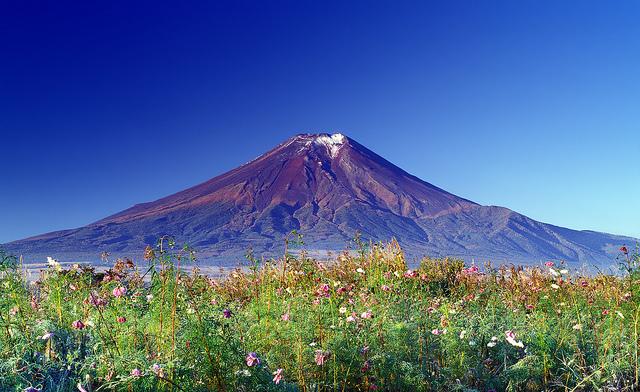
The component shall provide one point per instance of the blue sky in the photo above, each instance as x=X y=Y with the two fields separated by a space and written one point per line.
x=532 y=105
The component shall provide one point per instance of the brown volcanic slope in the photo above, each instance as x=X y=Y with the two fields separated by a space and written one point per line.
x=327 y=187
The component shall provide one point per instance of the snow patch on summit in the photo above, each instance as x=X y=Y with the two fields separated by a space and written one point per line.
x=332 y=142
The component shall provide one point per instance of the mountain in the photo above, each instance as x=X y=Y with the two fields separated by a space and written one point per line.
x=327 y=187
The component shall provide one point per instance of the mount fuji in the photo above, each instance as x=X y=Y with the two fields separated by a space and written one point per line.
x=328 y=187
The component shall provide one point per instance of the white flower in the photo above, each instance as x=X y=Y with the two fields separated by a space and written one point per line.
x=554 y=272
x=564 y=271
x=619 y=313
x=511 y=338
x=54 y=263
x=313 y=344
x=342 y=310
x=577 y=327
x=493 y=342
x=462 y=334
x=360 y=271
x=47 y=336
x=555 y=286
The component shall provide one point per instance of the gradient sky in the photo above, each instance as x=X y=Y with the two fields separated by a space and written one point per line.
x=532 y=105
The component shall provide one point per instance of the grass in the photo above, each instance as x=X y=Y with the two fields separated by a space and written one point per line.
x=363 y=323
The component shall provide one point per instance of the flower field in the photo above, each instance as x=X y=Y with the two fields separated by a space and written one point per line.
x=364 y=322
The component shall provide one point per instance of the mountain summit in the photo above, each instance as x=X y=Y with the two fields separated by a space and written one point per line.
x=328 y=187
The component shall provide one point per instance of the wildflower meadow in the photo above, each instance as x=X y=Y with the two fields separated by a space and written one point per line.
x=362 y=322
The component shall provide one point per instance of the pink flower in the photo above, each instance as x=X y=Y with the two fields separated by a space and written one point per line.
x=136 y=373
x=323 y=291
x=549 y=263
x=624 y=250
x=438 y=331
x=321 y=357
x=252 y=359
x=77 y=324
x=385 y=288
x=529 y=306
x=472 y=270
x=119 y=291
x=584 y=283
x=410 y=274
x=605 y=312
x=285 y=317
x=97 y=301
x=277 y=376
x=366 y=315
x=121 y=319
x=351 y=319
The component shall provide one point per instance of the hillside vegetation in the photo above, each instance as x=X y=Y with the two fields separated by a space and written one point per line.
x=365 y=322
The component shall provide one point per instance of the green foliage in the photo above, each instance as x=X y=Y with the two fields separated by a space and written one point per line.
x=361 y=323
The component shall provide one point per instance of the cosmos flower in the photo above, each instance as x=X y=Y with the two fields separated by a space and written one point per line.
x=385 y=288
x=285 y=316
x=360 y=271
x=410 y=274
x=136 y=373
x=577 y=327
x=493 y=342
x=252 y=359
x=78 y=324
x=351 y=319
x=121 y=319
x=321 y=356
x=619 y=313
x=366 y=315
x=342 y=310
x=549 y=264
x=119 y=291
x=47 y=336
x=439 y=331
x=54 y=263
x=584 y=283
x=511 y=338
x=463 y=333
x=555 y=286
x=554 y=272
x=624 y=250
x=277 y=376
x=157 y=369
x=472 y=270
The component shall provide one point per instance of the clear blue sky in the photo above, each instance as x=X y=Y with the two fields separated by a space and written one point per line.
x=532 y=105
